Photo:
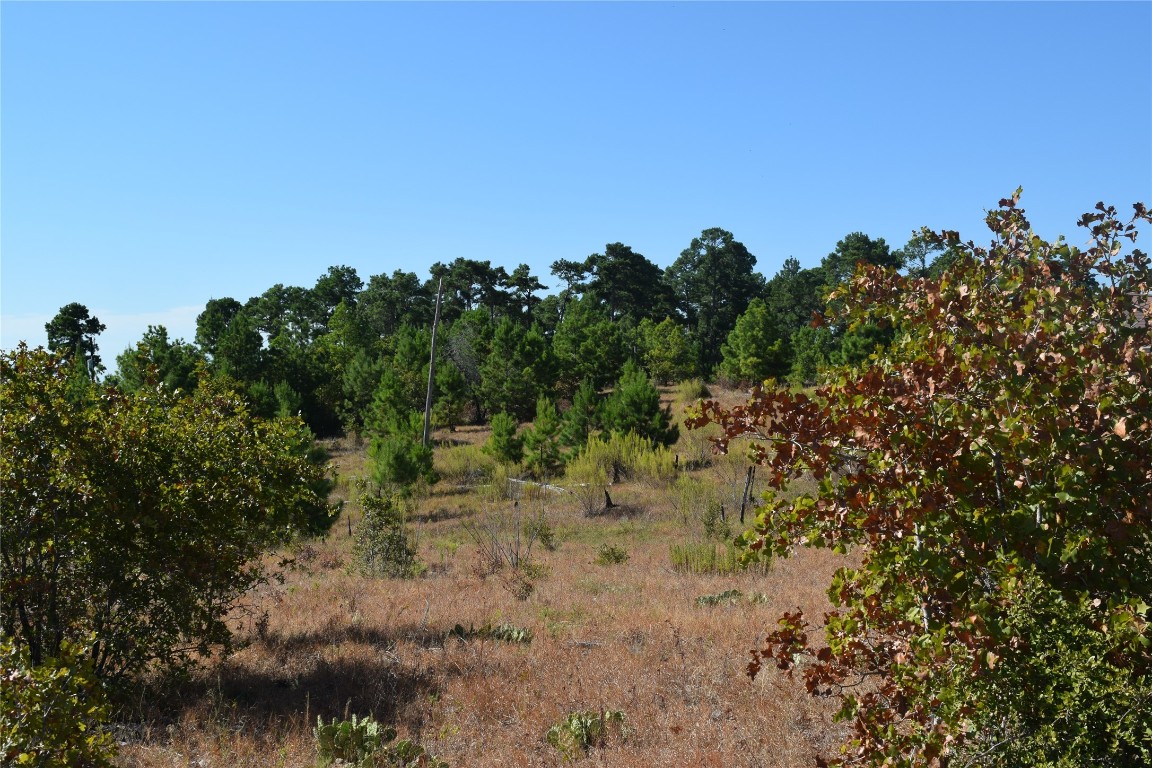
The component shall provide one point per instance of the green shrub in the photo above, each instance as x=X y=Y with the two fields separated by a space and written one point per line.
x=400 y=462
x=691 y=390
x=586 y=480
x=581 y=731
x=691 y=498
x=610 y=554
x=634 y=406
x=541 y=530
x=623 y=455
x=715 y=526
x=383 y=544
x=53 y=713
x=100 y=487
x=656 y=466
x=542 y=441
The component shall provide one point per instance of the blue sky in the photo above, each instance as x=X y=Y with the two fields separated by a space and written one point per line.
x=155 y=155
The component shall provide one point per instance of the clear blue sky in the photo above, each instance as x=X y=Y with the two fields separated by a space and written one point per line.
x=156 y=155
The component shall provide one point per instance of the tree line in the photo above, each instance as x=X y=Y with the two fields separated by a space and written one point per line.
x=350 y=356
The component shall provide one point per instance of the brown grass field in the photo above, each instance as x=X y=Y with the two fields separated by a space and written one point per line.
x=627 y=636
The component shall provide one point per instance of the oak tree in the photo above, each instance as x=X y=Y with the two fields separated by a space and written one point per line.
x=138 y=519
x=991 y=469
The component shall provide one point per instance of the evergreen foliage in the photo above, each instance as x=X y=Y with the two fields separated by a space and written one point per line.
x=667 y=350
x=399 y=459
x=542 y=441
x=384 y=546
x=518 y=370
x=634 y=406
x=582 y=417
x=155 y=359
x=756 y=349
x=504 y=444
x=712 y=283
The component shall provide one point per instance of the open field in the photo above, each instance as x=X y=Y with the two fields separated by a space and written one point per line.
x=628 y=636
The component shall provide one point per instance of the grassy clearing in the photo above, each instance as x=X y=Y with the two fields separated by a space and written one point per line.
x=666 y=647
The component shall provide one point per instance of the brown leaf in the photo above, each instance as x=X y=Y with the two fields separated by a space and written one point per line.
x=1121 y=428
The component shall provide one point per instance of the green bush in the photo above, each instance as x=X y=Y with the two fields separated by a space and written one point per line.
x=541 y=530
x=586 y=479
x=400 y=462
x=691 y=500
x=655 y=467
x=542 y=441
x=383 y=544
x=715 y=526
x=610 y=554
x=628 y=456
x=142 y=518
x=53 y=713
x=634 y=406
x=691 y=390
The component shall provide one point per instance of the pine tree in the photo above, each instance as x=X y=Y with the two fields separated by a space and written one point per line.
x=582 y=418
x=517 y=371
x=399 y=458
x=667 y=350
x=390 y=406
x=504 y=444
x=542 y=440
x=635 y=407
x=756 y=350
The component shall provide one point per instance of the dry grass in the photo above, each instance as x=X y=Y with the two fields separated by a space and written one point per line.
x=628 y=636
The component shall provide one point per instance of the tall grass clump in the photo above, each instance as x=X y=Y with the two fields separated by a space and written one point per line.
x=690 y=391
x=586 y=478
x=465 y=465
x=628 y=456
x=712 y=557
x=499 y=489
x=656 y=467
x=691 y=500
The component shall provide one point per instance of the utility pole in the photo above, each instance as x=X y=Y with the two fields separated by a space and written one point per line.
x=432 y=366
